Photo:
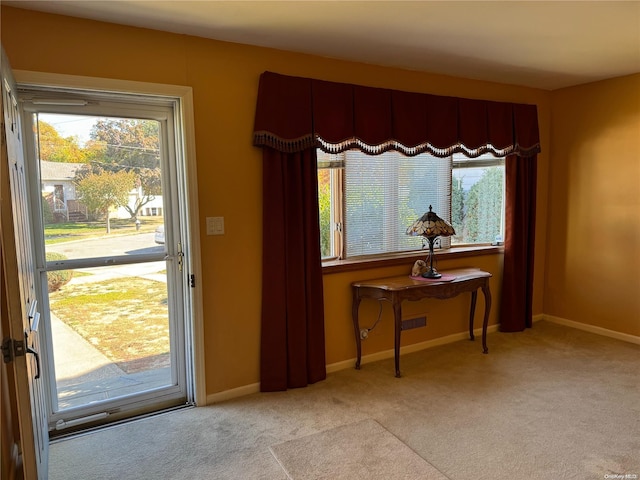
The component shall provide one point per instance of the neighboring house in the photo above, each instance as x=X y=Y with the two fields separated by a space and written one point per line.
x=150 y=209
x=59 y=191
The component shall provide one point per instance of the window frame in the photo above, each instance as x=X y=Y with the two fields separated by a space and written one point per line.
x=338 y=261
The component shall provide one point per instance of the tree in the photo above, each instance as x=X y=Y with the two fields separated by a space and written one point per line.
x=101 y=192
x=55 y=148
x=130 y=146
x=150 y=183
x=324 y=203
x=484 y=207
x=457 y=207
x=128 y=143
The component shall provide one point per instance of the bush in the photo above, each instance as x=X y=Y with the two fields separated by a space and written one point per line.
x=58 y=278
x=47 y=213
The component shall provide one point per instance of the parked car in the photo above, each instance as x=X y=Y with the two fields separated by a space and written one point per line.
x=159 y=235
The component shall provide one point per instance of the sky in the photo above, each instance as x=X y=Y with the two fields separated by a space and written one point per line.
x=70 y=125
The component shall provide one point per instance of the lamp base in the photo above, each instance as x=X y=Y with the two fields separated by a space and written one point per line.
x=431 y=273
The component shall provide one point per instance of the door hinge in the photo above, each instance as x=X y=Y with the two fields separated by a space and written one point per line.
x=192 y=280
x=12 y=348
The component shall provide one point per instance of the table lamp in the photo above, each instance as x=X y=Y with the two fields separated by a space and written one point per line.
x=431 y=226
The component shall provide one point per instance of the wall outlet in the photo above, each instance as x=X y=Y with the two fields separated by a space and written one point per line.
x=417 y=322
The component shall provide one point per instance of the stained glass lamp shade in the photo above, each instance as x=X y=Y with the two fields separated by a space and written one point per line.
x=431 y=226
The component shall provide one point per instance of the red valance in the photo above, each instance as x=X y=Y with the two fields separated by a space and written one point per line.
x=294 y=114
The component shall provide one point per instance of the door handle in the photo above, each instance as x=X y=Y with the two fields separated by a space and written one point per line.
x=37 y=355
x=30 y=350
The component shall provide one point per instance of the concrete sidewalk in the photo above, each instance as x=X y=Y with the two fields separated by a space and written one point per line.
x=77 y=359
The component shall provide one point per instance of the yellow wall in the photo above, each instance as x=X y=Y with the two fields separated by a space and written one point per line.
x=224 y=78
x=593 y=252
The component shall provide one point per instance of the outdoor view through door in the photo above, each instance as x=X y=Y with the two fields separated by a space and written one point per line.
x=110 y=257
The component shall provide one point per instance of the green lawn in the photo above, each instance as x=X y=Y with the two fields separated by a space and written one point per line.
x=65 y=232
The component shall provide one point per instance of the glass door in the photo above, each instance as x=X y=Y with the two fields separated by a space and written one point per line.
x=112 y=281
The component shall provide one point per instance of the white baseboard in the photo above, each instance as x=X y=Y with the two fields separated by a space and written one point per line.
x=416 y=347
x=233 y=393
x=593 y=329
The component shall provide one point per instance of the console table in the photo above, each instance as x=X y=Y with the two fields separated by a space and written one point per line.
x=397 y=289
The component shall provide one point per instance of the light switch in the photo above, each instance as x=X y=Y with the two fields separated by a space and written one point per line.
x=215 y=225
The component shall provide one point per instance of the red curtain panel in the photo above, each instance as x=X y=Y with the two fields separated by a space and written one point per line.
x=292 y=337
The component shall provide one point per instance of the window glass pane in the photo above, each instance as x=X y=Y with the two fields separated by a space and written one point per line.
x=325 y=205
x=478 y=200
x=384 y=194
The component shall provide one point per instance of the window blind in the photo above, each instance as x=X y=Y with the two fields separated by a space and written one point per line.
x=386 y=193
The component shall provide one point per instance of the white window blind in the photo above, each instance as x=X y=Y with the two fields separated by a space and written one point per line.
x=386 y=193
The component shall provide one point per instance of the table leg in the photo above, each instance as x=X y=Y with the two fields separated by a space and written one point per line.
x=356 y=327
x=397 y=313
x=487 y=309
x=472 y=313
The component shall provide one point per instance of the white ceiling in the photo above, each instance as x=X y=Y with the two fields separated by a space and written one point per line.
x=544 y=44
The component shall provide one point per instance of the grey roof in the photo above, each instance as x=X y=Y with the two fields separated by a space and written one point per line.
x=58 y=170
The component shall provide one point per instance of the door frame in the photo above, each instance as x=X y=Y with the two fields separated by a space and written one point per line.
x=185 y=140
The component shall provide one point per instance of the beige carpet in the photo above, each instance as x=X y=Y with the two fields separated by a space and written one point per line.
x=548 y=403
x=358 y=451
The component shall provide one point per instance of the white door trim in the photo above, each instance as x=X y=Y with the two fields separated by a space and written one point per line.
x=185 y=94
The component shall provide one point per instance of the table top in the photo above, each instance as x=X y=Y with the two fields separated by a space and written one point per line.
x=404 y=282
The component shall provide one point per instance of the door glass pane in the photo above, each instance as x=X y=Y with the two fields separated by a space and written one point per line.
x=101 y=196
x=110 y=331
x=100 y=179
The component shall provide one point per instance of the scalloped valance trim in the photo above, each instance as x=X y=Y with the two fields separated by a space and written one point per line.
x=267 y=139
x=394 y=145
x=527 y=152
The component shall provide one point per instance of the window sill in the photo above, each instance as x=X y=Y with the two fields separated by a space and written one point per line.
x=347 y=265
